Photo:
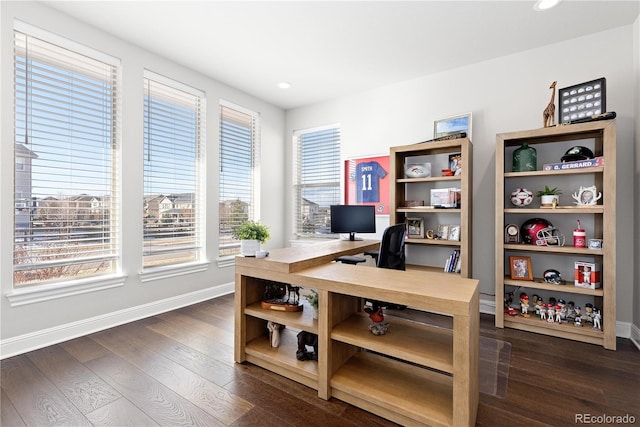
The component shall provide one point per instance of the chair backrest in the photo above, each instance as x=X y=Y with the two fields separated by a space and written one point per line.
x=391 y=254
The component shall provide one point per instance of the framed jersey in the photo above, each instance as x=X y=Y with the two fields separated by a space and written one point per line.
x=367 y=182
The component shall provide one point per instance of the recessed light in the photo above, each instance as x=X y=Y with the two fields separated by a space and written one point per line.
x=545 y=4
x=284 y=85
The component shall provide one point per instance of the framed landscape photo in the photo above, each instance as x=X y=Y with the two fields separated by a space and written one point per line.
x=453 y=124
x=520 y=268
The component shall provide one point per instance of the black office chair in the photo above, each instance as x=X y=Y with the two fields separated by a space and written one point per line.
x=391 y=252
x=391 y=248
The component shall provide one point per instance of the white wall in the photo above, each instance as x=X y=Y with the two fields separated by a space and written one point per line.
x=39 y=323
x=636 y=263
x=504 y=94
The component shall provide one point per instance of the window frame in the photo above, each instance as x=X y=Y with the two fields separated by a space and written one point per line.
x=254 y=203
x=66 y=284
x=299 y=185
x=200 y=263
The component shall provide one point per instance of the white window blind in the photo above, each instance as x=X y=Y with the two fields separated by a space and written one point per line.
x=173 y=172
x=239 y=145
x=66 y=192
x=316 y=180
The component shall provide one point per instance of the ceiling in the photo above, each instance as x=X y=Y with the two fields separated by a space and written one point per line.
x=330 y=49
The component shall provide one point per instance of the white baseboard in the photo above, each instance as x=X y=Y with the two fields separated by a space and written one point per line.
x=35 y=340
x=623 y=329
x=635 y=335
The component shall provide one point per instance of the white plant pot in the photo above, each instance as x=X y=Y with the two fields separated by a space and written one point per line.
x=249 y=247
x=547 y=200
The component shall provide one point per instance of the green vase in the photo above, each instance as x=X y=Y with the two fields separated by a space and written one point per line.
x=525 y=159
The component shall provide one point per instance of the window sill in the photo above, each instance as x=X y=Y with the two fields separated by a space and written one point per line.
x=159 y=273
x=39 y=293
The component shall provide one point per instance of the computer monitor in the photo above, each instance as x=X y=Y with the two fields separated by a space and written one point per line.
x=353 y=219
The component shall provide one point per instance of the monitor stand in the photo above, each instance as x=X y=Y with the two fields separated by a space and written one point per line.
x=352 y=237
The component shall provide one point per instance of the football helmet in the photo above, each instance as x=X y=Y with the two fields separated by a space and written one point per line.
x=552 y=276
x=540 y=232
x=577 y=153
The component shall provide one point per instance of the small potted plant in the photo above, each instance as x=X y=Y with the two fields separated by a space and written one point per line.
x=312 y=298
x=548 y=196
x=251 y=234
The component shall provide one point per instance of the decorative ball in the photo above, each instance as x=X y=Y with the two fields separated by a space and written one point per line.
x=418 y=170
x=521 y=197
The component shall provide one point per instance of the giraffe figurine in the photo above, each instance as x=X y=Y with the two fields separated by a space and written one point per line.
x=549 y=112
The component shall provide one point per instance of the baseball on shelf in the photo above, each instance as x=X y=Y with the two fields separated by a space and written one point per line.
x=521 y=197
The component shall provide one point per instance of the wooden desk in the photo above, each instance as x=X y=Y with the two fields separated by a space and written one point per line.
x=392 y=388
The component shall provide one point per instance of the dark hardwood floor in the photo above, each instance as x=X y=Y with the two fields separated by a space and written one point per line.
x=177 y=369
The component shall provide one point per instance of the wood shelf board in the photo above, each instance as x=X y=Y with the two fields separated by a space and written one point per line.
x=284 y=260
x=428 y=268
x=566 y=330
x=428 y=179
x=420 y=289
x=421 y=395
x=570 y=250
x=437 y=242
x=283 y=357
x=597 y=209
x=568 y=287
x=556 y=133
x=411 y=341
x=301 y=319
x=428 y=210
x=430 y=147
x=528 y=174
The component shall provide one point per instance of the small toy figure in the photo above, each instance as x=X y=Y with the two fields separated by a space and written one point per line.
x=558 y=313
x=274 y=333
x=508 y=300
x=578 y=318
x=588 y=312
x=586 y=275
x=524 y=305
x=550 y=312
x=563 y=310
x=543 y=311
x=379 y=326
x=535 y=302
x=307 y=339
x=571 y=310
x=596 y=319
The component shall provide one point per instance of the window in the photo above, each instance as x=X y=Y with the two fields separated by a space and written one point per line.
x=173 y=172
x=239 y=148
x=66 y=191
x=316 y=180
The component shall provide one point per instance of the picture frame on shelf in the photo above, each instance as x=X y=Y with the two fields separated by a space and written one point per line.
x=454 y=233
x=415 y=227
x=452 y=124
x=455 y=163
x=520 y=267
x=443 y=232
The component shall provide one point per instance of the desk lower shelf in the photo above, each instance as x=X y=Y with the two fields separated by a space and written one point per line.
x=282 y=359
x=397 y=391
x=411 y=341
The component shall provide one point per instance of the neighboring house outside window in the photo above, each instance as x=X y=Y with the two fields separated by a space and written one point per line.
x=316 y=180
x=66 y=189
x=173 y=173
x=239 y=171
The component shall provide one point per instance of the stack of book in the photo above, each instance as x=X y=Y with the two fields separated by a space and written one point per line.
x=453 y=262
